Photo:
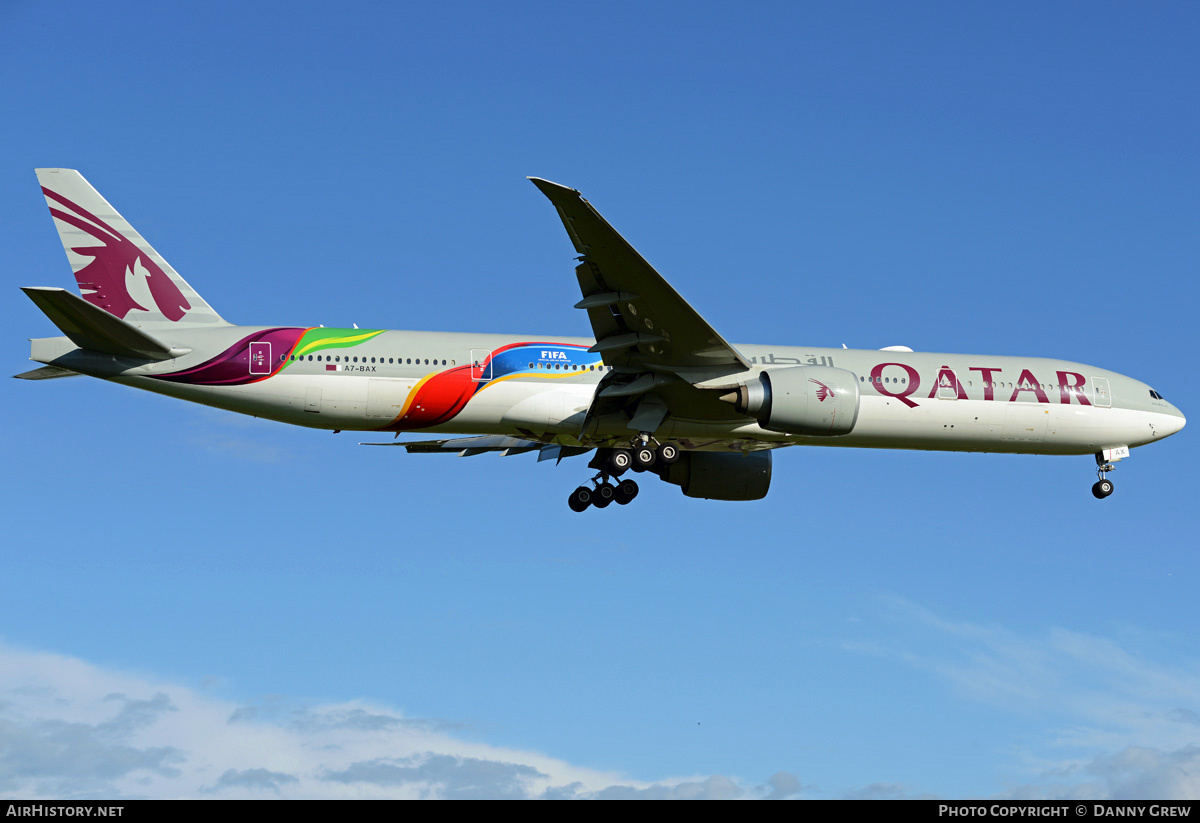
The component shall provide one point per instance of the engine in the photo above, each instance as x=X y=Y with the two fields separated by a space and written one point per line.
x=815 y=400
x=721 y=476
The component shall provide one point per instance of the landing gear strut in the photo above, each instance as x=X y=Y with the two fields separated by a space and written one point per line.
x=1103 y=487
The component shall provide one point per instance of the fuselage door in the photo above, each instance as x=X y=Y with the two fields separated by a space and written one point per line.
x=260 y=358
x=947 y=384
x=481 y=365
x=1101 y=392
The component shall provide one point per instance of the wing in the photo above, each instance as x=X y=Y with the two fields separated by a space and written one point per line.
x=637 y=318
x=658 y=346
x=469 y=446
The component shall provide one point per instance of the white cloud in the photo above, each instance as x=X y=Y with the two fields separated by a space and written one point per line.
x=1122 y=725
x=253 y=779
x=71 y=729
x=884 y=791
x=1134 y=773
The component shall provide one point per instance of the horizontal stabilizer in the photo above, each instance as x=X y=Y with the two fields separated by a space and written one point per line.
x=46 y=373
x=94 y=329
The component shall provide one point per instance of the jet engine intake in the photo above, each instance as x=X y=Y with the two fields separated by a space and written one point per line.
x=821 y=401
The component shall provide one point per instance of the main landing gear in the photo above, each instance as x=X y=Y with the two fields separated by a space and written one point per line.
x=640 y=456
x=1103 y=487
x=602 y=493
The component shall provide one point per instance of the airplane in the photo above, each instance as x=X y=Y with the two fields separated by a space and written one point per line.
x=655 y=390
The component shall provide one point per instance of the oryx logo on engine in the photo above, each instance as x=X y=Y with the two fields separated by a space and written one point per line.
x=823 y=391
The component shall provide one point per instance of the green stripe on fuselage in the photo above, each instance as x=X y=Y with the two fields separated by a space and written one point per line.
x=315 y=340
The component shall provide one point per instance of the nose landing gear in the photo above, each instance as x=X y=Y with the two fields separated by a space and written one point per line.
x=1103 y=487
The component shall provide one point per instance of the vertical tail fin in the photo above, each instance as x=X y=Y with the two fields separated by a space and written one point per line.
x=116 y=269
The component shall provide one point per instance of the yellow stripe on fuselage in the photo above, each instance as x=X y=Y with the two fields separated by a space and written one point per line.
x=349 y=339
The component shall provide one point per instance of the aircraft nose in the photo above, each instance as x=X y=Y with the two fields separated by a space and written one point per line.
x=1173 y=421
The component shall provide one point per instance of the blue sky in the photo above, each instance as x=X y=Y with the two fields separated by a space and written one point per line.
x=199 y=604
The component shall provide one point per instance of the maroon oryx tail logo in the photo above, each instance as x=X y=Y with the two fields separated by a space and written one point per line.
x=823 y=391
x=102 y=281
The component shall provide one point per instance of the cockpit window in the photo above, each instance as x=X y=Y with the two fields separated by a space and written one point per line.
x=1156 y=395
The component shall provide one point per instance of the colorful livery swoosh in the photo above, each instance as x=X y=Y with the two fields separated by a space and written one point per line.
x=436 y=399
x=249 y=360
x=316 y=340
x=232 y=367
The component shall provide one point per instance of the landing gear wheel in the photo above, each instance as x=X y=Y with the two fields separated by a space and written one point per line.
x=668 y=453
x=643 y=458
x=626 y=491
x=1102 y=489
x=605 y=494
x=620 y=460
x=580 y=499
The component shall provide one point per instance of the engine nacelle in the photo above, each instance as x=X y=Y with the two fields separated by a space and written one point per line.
x=815 y=400
x=722 y=476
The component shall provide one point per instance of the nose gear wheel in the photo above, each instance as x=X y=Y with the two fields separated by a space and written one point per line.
x=1103 y=487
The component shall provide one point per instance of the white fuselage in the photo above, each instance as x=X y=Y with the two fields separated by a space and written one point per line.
x=908 y=400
